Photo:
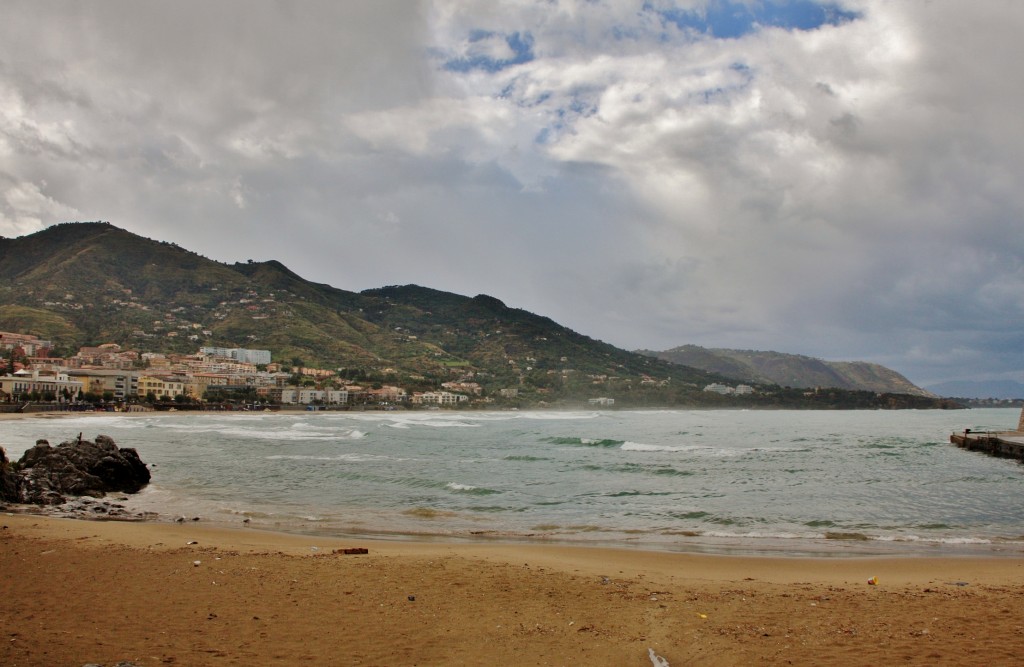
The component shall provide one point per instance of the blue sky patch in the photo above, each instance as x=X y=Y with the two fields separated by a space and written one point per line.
x=727 y=19
x=520 y=46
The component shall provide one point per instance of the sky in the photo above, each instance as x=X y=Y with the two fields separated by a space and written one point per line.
x=834 y=179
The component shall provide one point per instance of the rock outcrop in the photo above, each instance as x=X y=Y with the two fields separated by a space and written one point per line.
x=8 y=480
x=46 y=475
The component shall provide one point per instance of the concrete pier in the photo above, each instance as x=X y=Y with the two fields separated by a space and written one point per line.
x=1007 y=444
x=1004 y=444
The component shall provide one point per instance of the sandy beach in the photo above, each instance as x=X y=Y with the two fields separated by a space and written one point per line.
x=77 y=592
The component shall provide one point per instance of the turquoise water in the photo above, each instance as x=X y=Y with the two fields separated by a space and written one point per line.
x=800 y=481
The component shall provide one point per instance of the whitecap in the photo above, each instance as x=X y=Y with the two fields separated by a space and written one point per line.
x=715 y=452
x=352 y=457
x=541 y=416
x=641 y=447
x=406 y=423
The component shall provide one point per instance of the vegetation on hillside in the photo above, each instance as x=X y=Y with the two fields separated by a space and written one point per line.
x=92 y=283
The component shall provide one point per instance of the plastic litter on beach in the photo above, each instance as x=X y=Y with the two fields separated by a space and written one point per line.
x=656 y=660
x=873 y=581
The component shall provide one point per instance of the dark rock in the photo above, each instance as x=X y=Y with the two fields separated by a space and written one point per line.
x=78 y=468
x=9 y=482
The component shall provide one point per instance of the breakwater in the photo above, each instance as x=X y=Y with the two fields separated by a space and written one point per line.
x=1008 y=445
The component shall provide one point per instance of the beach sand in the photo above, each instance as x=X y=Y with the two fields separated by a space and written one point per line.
x=75 y=592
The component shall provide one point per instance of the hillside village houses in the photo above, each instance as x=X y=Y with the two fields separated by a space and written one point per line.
x=28 y=346
x=119 y=376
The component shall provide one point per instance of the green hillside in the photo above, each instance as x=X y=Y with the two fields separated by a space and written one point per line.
x=92 y=283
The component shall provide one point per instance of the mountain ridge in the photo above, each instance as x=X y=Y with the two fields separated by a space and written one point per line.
x=790 y=370
x=92 y=283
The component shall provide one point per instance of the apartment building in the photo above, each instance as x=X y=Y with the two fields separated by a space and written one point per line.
x=439 y=398
x=122 y=384
x=26 y=382
x=305 y=396
x=388 y=394
x=238 y=354
x=161 y=387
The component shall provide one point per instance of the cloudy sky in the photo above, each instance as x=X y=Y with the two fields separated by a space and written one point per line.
x=837 y=179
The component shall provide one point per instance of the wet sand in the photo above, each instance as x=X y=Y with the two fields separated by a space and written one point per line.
x=76 y=592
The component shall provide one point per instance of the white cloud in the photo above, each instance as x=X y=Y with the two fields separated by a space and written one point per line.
x=847 y=191
x=24 y=208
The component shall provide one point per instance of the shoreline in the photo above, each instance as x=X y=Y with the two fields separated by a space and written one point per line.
x=427 y=524
x=126 y=508
x=777 y=568
x=196 y=594
x=834 y=549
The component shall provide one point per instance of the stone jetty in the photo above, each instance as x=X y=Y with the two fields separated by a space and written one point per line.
x=1004 y=444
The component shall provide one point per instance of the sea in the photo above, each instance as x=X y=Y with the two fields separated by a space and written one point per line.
x=821 y=483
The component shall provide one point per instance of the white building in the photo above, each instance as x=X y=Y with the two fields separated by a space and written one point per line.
x=25 y=382
x=439 y=398
x=243 y=355
x=302 y=396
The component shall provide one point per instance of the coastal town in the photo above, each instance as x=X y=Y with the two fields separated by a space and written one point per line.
x=121 y=379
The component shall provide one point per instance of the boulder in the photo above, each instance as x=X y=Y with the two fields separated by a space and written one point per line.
x=78 y=468
x=8 y=480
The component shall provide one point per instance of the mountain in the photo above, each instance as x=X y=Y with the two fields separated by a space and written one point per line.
x=791 y=370
x=89 y=283
x=1001 y=389
x=92 y=283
